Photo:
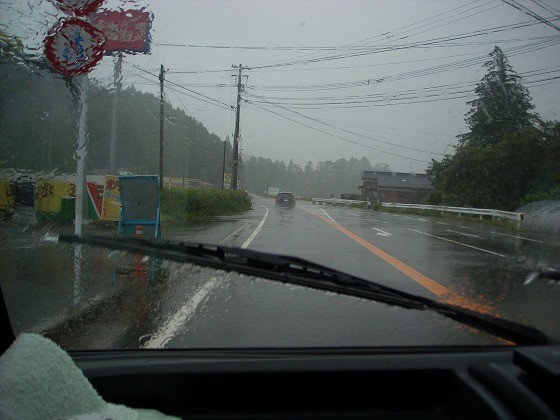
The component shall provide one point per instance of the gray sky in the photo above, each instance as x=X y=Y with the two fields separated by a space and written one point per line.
x=394 y=51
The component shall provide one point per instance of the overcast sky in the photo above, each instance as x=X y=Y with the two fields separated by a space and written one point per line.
x=388 y=80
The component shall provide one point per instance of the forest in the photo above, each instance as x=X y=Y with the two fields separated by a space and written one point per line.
x=38 y=132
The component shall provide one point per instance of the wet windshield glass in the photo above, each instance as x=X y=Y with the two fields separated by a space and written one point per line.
x=414 y=144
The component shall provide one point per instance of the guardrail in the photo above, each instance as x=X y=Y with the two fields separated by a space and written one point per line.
x=518 y=217
x=335 y=201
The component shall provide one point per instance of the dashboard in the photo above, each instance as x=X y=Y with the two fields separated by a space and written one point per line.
x=459 y=383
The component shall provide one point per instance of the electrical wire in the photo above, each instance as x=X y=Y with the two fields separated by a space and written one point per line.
x=340 y=137
x=206 y=99
x=427 y=92
x=531 y=47
x=351 y=132
x=529 y=12
x=430 y=43
x=386 y=35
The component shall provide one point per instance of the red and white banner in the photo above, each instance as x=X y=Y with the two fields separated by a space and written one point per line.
x=125 y=30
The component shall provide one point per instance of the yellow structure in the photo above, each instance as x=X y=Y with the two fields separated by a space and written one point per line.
x=111 y=199
x=6 y=195
x=50 y=194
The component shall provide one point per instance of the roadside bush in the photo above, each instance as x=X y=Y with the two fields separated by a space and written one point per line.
x=180 y=204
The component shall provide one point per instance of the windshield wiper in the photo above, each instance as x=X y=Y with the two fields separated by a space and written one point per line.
x=299 y=271
x=548 y=273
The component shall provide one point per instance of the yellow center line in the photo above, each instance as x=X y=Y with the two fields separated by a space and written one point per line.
x=433 y=286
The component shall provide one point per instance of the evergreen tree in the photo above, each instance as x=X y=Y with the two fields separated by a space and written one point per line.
x=503 y=105
x=496 y=162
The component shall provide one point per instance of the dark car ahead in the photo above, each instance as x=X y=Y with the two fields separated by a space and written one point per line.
x=285 y=199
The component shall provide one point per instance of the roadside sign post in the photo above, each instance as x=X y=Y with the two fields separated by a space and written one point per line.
x=126 y=31
x=74 y=47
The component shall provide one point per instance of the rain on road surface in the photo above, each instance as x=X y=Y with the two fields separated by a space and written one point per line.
x=475 y=265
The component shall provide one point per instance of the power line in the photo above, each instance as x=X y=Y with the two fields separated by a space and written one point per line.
x=179 y=99
x=386 y=35
x=553 y=9
x=351 y=132
x=196 y=71
x=546 y=7
x=426 y=92
x=354 y=133
x=431 y=43
x=208 y=100
x=512 y=52
x=393 y=128
x=388 y=63
x=339 y=137
x=529 y=12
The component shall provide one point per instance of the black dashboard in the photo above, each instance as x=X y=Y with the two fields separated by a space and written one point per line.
x=465 y=383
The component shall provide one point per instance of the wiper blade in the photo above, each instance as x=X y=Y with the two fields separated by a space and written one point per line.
x=548 y=273
x=301 y=272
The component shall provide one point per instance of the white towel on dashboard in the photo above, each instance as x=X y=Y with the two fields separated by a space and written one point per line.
x=39 y=380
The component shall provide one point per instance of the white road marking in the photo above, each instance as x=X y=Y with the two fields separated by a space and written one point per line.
x=257 y=230
x=464 y=234
x=327 y=214
x=382 y=232
x=517 y=237
x=442 y=223
x=458 y=243
x=464 y=227
x=380 y=221
x=181 y=317
x=353 y=214
x=422 y=220
x=234 y=233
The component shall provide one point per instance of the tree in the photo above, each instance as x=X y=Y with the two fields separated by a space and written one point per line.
x=497 y=161
x=382 y=167
x=546 y=183
x=503 y=105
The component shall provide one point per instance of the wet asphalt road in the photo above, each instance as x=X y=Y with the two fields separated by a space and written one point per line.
x=476 y=265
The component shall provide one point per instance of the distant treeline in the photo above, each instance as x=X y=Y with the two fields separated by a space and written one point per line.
x=325 y=179
x=38 y=118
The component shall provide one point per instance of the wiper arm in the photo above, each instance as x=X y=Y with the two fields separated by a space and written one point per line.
x=548 y=273
x=298 y=271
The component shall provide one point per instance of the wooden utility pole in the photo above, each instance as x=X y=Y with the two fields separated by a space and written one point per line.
x=224 y=164
x=235 y=162
x=161 y=78
x=117 y=75
x=236 y=134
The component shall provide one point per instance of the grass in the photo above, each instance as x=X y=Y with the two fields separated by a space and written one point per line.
x=181 y=204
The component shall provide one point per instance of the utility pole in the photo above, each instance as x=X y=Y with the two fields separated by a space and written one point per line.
x=161 y=78
x=242 y=175
x=235 y=162
x=117 y=75
x=224 y=164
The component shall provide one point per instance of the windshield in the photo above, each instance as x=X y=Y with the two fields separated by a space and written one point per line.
x=411 y=144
